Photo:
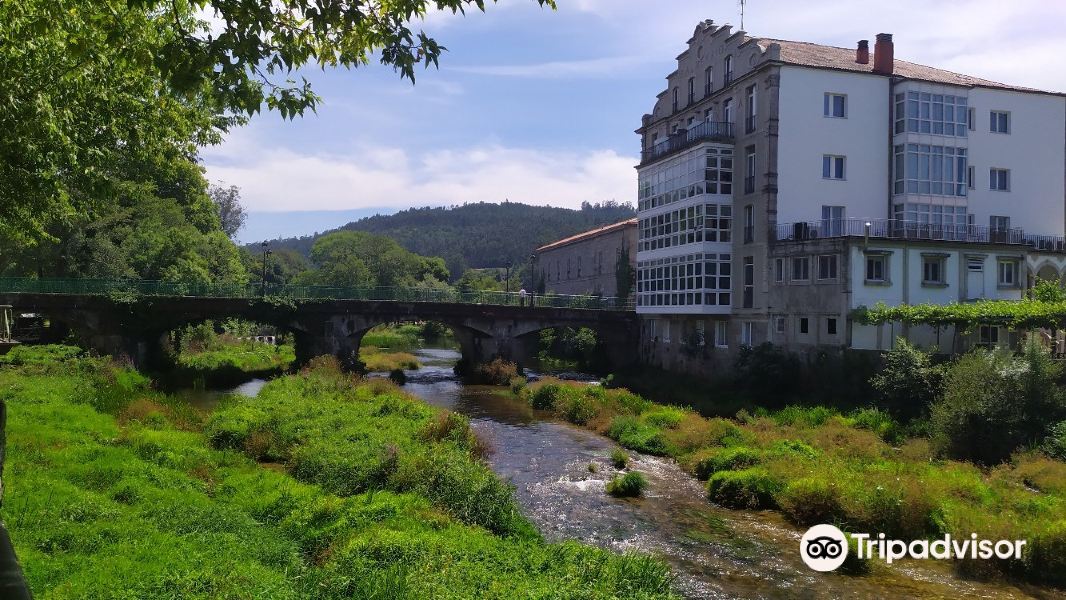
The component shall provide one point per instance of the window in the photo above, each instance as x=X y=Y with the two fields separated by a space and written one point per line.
x=999 y=180
x=720 y=331
x=933 y=270
x=831 y=326
x=708 y=81
x=938 y=114
x=999 y=121
x=749 y=224
x=749 y=176
x=805 y=325
x=749 y=118
x=691 y=90
x=835 y=105
x=675 y=100
x=701 y=333
x=832 y=220
x=970 y=177
x=749 y=281
x=876 y=268
x=827 y=266
x=747 y=333
x=832 y=167
x=999 y=223
x=666 y=331
x=801 y=268
x=779 y=324
x=925 y=169
x=727 y=110
x=1008 y=274
x=691 y=173
x=971 y=119
x=685 y=280
x=779 y=270
x=989 y=336
x=728 y=69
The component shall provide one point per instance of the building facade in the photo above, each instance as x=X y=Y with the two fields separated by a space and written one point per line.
x=587 y=263
x=784 y=184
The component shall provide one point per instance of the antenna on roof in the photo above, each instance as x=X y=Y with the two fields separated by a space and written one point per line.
x=742 y=3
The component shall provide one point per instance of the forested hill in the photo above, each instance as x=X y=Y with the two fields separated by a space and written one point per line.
x=477 y=235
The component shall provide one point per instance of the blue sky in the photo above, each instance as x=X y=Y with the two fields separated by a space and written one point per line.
x=539 y=106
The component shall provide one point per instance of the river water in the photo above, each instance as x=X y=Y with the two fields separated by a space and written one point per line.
x=714 y=552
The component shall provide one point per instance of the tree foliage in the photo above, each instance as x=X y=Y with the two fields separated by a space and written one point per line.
x=231 y=214
x=624 y=273
x=478 y=235
x=909 y=381
x=995 y=402
x=359 y=259
x=1029 y=313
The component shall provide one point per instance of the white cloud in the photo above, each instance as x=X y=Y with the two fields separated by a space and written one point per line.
x=610 y=66
x=374 y=176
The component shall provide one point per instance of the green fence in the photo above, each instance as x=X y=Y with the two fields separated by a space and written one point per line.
x=131 y=287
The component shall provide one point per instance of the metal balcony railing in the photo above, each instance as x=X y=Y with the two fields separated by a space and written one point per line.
x=707 y=131
x=136 y=287
x=914 y=230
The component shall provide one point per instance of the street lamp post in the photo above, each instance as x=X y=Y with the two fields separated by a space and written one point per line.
x=532 y=279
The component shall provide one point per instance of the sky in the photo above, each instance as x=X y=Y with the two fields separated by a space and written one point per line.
x=539 y=106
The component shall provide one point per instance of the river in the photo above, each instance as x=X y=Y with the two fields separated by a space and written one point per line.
x=714 y=552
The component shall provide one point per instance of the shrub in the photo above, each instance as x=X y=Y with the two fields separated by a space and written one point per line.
x=994 y=402
x=630 y=485
x=749 y=488
x=631 y=433
x=545 y=396
x=803 y=416
x=1055 y=443
x=760 y=370
x=794 y=448
x=619 y=458
x=726 y=459
x=909 y=381
x=517 y=385
x=879 y=422
x=811 y=500
x=575 y=406
x=495 y=372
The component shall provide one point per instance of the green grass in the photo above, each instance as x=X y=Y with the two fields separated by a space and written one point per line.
x=377 y=360
x=116 y=491
x=630 y=485
x=858 y=470
x=245 y=356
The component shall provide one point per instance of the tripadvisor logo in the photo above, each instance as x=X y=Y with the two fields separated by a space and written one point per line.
x=824 y=548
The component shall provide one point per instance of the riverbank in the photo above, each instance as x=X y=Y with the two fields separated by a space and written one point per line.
x=115 y=489
x=815 y=465
x=229 y=362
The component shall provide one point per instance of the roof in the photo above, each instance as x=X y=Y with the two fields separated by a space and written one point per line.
x=584 y=235
x=831 y=57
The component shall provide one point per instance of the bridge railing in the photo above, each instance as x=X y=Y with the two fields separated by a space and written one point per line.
x=138 y=287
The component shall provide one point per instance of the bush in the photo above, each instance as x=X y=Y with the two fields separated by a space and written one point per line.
x=518 y=384
x=1045 y=558
x=397 y=376
x=909 y=381
x=1055 y=443
x=726 y=459
x=630 y=485
x=666 y=416
x=750 y=488
x=810 y=501
x=879 y=422
x=545 y=396
x=994 y=402
x=576 y=406
x=619 y=458
x=760 y=370
x=495 y=372
x=635 y=435
x=803 y=416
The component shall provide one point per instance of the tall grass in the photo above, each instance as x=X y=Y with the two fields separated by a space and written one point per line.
x=114 y=490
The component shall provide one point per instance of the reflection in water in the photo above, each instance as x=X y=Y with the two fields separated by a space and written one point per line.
x=207 y=399
x=715 y=552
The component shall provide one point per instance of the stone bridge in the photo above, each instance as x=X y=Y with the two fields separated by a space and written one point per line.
x=137 y=327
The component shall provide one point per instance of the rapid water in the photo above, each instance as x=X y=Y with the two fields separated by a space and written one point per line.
x=714 y=552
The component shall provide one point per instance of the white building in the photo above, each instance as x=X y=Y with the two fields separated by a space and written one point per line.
x=784 y=184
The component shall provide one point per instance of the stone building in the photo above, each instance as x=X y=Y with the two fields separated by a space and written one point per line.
x=784 y=184
x=587 y=263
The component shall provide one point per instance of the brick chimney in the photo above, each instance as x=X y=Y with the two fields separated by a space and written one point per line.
x=884 y=61
x=862 y=53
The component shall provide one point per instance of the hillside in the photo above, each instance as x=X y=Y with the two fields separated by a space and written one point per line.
x=477 y=235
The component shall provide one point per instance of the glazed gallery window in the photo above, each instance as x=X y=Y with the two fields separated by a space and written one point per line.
x=926 y=169
x=707 y=171
x=938 y=114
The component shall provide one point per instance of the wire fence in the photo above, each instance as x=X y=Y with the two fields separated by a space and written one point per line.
x=131 y=287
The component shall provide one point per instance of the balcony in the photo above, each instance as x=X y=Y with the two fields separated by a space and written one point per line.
x=893 y=229
x=707 y=131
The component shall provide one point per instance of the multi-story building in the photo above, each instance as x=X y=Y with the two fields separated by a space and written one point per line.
x=587 y=263
x=784 y=184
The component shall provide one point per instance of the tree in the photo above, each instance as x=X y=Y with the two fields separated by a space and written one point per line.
x=85 y=83
x=624 y=273
x=908 y=381
x=356 y=258
x=228 y=204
